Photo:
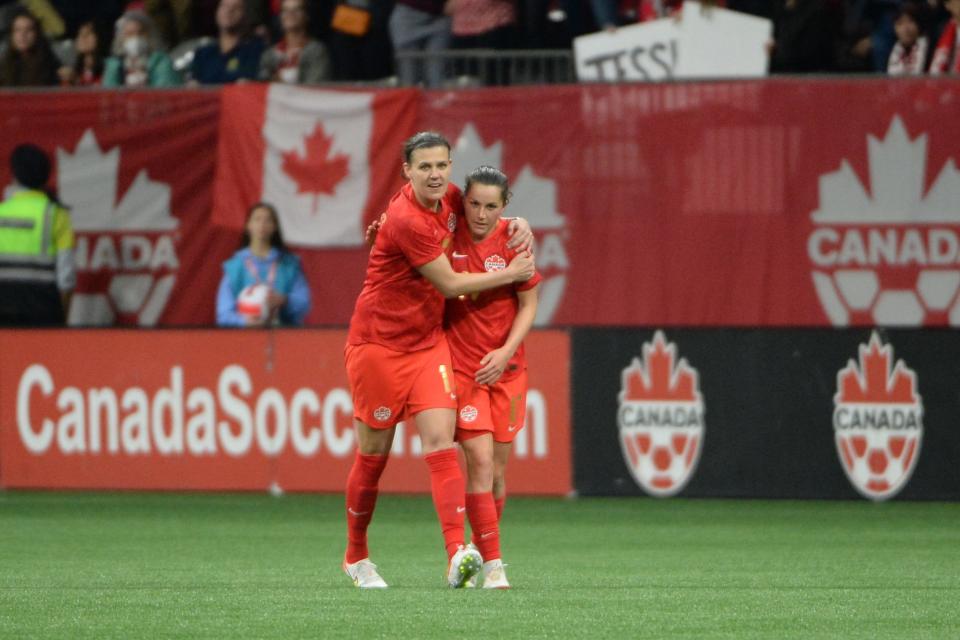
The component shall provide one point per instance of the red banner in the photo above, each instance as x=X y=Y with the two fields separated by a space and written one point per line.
x=780 y=202
x=226 y=410
x=760 y=203
x=135 y=170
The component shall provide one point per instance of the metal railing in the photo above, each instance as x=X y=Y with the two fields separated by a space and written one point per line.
x=484 y=67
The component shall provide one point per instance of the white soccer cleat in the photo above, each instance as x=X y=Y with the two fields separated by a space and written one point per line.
x=494 y=576
x=464 y=564
x=364 y=574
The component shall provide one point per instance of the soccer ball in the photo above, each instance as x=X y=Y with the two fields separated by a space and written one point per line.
x=877 y=464
x=252 y=302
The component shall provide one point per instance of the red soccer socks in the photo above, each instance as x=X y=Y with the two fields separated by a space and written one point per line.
x=362 y=489
x=482 y=512
x=448 y=487
x=499 y=502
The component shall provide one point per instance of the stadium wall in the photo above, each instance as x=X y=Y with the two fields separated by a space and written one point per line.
x=767 y=413
x=225 y=410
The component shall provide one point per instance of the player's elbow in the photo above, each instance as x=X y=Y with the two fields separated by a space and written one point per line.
x=448 y=287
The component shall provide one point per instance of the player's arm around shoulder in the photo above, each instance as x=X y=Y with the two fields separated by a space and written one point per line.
x=452 y=283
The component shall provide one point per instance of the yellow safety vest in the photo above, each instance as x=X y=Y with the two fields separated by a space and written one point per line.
x=27 y=252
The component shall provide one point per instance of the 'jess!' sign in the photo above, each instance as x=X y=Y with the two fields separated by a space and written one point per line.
x=702 y=43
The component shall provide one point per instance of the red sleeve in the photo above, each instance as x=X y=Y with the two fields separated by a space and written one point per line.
x=417 y=239
x=511 y=254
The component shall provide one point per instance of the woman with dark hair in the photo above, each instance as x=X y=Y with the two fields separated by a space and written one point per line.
x=87 y=69
x=28 y=60
x=263 y=283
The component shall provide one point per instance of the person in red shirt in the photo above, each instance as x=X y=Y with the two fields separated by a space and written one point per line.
x=486 y=332
x=397 y=358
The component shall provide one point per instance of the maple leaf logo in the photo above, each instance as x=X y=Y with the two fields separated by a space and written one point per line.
x=316 y=171
x=657 y=378
x=873 y=381
x=898 y=167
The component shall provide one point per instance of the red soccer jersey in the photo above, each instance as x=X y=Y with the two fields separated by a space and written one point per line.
x=477 y=324
x=398 y=308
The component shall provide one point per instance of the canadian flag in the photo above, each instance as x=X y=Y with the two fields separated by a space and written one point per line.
x=327 y=160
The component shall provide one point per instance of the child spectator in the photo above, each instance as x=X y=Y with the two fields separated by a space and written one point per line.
x=909 y=55
x=87 y=69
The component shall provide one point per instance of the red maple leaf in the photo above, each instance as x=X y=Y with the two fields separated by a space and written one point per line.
x=315 y=172
x=657 y=377
x=873 y=380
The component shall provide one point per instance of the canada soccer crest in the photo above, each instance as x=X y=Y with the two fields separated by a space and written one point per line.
x=661 y=418
x=888 y=252
x=877 y=421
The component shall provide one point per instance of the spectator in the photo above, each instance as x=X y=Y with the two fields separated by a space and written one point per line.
x=419 y=26
x=28 y=60
x=138 y=59
x=37 y=273
x=359 y=40
x=235 y=56
x=263 y=283
x=296 y=58
x=87 y=69
x=909 y=55
x=945 y=57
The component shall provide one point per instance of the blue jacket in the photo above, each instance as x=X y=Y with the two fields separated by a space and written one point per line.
x=289 y=281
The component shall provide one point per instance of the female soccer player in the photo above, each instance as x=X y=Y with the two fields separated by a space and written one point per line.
x=397 y=358
x=486 y=331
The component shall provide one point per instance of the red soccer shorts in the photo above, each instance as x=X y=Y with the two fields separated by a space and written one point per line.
x=500 y=408
x=388 y=386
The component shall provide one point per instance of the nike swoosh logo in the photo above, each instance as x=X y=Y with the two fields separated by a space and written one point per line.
x=487 y=534
x=511 y=429
x=461 y=509
x=459 y=255
x=357 y=514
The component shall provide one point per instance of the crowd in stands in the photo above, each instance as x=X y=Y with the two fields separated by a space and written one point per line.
x=163 y=43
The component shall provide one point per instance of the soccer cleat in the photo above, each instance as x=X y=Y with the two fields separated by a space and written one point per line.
x=472 y=582
x=494 y=576
x=464 y=564
x=364 y=574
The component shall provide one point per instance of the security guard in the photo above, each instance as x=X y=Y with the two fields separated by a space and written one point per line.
x=37 y=272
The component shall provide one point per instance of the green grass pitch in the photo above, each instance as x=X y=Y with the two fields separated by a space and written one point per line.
x=135 y=565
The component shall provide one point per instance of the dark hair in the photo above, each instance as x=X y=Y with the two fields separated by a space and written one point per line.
x=490 y=176
x=37 y=68
x=30 y=166
x=98 y=53
x=916 y=12
x=276 y=239
x=423 y=140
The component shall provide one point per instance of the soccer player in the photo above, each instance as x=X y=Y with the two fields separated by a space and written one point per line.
x=486 y=332
x=397 y=358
